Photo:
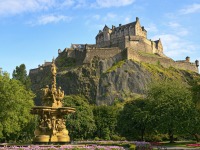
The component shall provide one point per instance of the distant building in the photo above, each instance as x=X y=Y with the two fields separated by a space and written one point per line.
x=127 y=41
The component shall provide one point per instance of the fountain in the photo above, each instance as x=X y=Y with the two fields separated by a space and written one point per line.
x=51 y=125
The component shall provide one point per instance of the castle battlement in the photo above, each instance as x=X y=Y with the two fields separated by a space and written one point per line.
x=129 y=35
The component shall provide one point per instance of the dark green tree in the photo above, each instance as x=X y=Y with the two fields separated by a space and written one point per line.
x=16 y=102
x=20 y=74
x=170 y=105
x=105 y=120
x=81 y=124
x=134 y=120
x=195 y=88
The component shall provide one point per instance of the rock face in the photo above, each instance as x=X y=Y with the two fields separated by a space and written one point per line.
x=106 y=81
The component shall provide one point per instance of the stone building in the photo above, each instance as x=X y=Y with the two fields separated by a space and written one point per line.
x=127 y=41
x=129 y=35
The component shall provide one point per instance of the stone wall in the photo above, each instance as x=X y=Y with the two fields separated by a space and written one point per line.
x=165 y=62
x=79 y=55
x=139 y=43
x=103 y=53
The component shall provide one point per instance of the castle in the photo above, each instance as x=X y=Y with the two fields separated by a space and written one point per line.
x=124 y=42
x=130 y=35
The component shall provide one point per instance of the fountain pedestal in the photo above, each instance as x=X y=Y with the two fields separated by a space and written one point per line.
x=51 y=125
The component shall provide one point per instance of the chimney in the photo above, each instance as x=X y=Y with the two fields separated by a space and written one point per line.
x=137 y=19
x=113 y=27
x=120 y=25
x=187 y=59
x=197 y=63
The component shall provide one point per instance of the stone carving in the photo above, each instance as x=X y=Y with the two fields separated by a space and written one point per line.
x=51 y=125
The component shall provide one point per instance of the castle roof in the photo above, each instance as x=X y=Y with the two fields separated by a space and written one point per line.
x=157 y=41
x=121 y=27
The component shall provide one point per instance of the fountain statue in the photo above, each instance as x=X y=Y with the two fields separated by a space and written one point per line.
x=51 y=126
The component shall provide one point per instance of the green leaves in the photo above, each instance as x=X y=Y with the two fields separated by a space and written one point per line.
x=105 y=120
x=81 y=124
x=16 y=103
x=20 y=74
x=170 y=103
x=134 y=120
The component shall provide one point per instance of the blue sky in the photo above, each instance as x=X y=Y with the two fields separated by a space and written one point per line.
x=32 y=31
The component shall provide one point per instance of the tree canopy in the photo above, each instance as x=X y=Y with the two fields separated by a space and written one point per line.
x=81 y=124
x=16 y=102
x=105 y=120
x=170 y=104
x=20 y=74
x=134 y=120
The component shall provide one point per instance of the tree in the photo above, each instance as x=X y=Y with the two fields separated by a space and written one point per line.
x=170 y=105
x=134 y=120
x=105 y=120
x=81 y=124
x=195 y=88
x=20 y=74
x=16 y=102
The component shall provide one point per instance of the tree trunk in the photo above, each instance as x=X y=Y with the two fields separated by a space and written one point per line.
x=196 y=137
x=171 y=136
x=142 y=135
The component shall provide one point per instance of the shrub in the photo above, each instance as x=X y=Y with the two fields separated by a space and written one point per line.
x=132 y=147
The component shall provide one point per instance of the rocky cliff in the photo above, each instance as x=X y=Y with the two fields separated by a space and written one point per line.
x=105 y=81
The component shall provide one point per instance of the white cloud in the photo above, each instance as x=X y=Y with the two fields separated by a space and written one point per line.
x=46 y=19
x=194 y=8
x=151 y=28
x=174 y=24
x=109 y=17
x=12 y=7
x=178 y=28
x=67 y=3
x=112 y=3
x=127 y=20
x=174 y=46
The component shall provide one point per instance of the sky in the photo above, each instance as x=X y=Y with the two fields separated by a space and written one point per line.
x=32 y=31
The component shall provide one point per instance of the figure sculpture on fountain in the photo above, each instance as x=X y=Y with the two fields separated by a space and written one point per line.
x=51 y=126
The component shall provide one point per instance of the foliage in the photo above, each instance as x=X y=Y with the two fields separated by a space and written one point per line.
x=105 y=120
x=148 y=54
x=196 y=91
x=63 y=62
x=135 y=119
x=16 y=102
x=80 y=124
x=115 y=66
x=20 y=74
x=170 y=104
x=159 y=72
x=66 y=147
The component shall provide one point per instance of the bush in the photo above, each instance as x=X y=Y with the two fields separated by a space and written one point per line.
x=132 y=147
x=154 y=138
x=116 y=138
x=96 y=138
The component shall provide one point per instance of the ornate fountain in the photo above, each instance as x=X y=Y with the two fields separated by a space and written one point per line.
x=51 y=125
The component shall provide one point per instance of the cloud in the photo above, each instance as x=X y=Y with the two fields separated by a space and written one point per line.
x=151 y=28
x=67 y=3
x=178 y=28
x=174 y=24
x=194 y=8
x=109 y=17
x=51 y=18
x=174 y=46
x=13 y=7
x=112 y=3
